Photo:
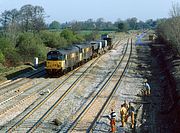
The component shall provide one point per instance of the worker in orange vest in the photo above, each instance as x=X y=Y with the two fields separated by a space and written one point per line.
x=113 y=121
x=125 y=104
x=123 y=114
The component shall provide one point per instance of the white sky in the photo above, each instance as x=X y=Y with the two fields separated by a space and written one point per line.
x=68 y=10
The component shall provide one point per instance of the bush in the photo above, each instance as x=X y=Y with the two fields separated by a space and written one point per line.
x=79 y=38
x=2 y=58
x=92 y=36
x=8 y=54
x=12 y=58
x=6 y=44
x=52 y=39
x=30 y=46
x=71 y=37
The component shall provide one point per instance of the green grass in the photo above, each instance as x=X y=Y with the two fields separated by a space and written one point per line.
x=85 y=32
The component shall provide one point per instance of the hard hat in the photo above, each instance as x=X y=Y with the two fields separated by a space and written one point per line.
x=145 y=80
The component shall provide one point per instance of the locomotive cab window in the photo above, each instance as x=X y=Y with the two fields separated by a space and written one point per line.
x=55 y=56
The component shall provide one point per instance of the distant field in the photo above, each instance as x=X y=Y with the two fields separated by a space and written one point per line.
x=89 y=31
x=83 y=32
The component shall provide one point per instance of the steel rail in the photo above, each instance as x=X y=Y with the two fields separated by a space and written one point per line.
x=90 y=129
x=16 y=80
x=6 y=93
x=97 y=94
x=17 y=124
x=19 y=87
x=35 y=126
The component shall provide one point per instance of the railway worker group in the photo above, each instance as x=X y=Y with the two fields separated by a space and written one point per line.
x=127 y=110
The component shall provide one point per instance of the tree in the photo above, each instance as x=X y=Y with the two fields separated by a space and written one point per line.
x=94 y=35
x=132 y=22
x=175 y=11
x=26 y=12
x=68 y=35
x=54 y=25
x=169 y=30
x=175 y=25
x=141 y=25
x=5 y=19
x=71 y=36
x=28 y=18
x=122 y=27
x=32 y=18
x=30 y=46
x=6 y=44
x=99 y=23
x=38 y=17
x=8 y=53
x=76 y=26
x=151 y=23
x=89 y=24
x=52 y=39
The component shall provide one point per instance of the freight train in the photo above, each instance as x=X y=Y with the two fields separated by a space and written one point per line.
x=63 y=60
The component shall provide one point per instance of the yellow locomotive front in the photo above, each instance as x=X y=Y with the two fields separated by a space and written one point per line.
x=55 y=63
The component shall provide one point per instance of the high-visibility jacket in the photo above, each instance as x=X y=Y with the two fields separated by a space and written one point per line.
x=113 y=125
x=126 y=105
x=123 y=111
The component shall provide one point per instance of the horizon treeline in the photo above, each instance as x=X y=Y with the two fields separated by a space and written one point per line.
x=32 y=18
x=24 y=33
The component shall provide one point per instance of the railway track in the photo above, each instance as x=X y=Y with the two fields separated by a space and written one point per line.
x=103 y=108
x=24 y=119
x=40 y=102
x=21 y=97
x=16 y=94
x=20 y=78
x=18 y=85
x=16 y=90
x=48 y=112
x=86 y=120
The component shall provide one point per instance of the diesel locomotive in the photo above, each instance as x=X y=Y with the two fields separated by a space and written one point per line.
x=62 y=60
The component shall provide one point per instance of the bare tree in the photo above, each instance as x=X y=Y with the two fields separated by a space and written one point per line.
x=175 y=25
x=5 y=19
x=169 y=30
x=175 y=11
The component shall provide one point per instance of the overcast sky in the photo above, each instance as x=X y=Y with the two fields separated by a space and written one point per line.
x=110 y=10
